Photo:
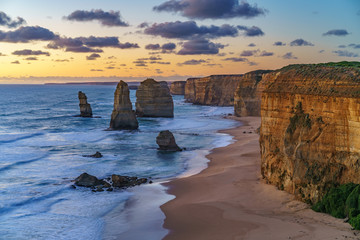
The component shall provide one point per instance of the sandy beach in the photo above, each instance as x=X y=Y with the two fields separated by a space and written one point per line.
x=229 y=200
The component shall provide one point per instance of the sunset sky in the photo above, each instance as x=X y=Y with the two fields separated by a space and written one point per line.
x=87 y=40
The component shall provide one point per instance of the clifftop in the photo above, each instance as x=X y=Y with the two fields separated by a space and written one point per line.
x=324 y=79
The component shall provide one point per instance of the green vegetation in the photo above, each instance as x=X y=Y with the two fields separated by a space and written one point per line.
x=342 y=201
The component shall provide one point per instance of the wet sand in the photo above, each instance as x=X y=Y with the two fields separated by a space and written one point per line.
x=229 y=200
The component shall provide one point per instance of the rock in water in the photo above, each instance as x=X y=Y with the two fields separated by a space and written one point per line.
x=87 y=180
x=85 y=108
x=96 y=155
x=123 y=117
x=166 y=141
x=153 y=99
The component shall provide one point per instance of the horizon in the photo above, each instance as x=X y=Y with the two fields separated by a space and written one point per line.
x=169 y=40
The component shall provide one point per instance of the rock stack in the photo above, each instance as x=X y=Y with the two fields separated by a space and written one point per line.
x=123 y=117
x=166 y=141
x=85 y=108
x=153 y=99
x=177 y=88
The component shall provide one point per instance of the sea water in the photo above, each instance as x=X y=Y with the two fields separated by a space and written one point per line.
x=42 y=146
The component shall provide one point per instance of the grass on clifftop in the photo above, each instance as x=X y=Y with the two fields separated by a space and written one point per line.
x=341 y=202
x=346 y=64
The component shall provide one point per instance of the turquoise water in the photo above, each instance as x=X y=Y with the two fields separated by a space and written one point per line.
x=42 y=146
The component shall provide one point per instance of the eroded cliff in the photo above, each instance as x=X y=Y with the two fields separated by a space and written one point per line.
x=310 y=128
x=247 y=98
x=177 y=88
x=217 y=90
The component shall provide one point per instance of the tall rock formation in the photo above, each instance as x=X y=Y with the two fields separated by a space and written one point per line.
x=310 y=128
x=177 y=88
x=123 y=117
x=85 y=108
x=247 y=99
x=216 y=90
x=166 y=141
x=153 y=99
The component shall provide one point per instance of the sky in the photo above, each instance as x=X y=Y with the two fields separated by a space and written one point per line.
x=45 y=41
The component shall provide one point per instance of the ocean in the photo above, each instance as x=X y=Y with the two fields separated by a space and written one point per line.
x=42 y=146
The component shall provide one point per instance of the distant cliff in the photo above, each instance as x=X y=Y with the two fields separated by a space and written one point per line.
x=177 y=88
x=213 y=90
x=310 y=128
x=247 y=99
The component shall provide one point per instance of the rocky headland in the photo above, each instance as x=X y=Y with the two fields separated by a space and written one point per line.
x=310 y=127
x=215 y=90
x=153 y=99
x=85 y=108
x=123 y=117
x=177 y=88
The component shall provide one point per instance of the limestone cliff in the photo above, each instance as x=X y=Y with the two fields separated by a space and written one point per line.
x=177 y=88
x=123 y=117
x=217 y=90
x=153 y=99
x=310 y=127
x=85 y=108
x=247 y=99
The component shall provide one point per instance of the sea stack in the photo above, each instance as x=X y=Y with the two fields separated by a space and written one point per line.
x=123 y=117
x=85 y=108
x=153 y=99
x=177 y=88
x=166 y=141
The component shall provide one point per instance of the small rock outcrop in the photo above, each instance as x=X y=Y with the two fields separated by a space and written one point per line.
x=178 y=88
x=166 y=141
x=153 y=99
x=123 y=117
x=96 y=155
x=85 y=108
x=116 y=181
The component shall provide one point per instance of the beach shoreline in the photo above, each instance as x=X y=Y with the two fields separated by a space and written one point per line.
x=229 y=200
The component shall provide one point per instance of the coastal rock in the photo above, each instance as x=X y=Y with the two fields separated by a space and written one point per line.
x=85 y=108
x=216 y=90
x=247 y=99
x=96 y=155
x=123 y=117
x=153 y=99
x=177 y=88
x=87 y=180
x=310 y=127
x=166 y=141
x=119 y=181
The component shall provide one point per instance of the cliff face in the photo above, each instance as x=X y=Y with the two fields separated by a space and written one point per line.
x=123 y=117
x=213 y=90
x=153 y=99
x=310 y=127
x=247 y=99
x=177 y=88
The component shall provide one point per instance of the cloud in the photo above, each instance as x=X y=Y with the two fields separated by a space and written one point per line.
x=61 y=60
x=87 y=44
x=353 y=45
x=300 y=42
x=192 y=62
x=6 y=21
x=93 y=56
x=27 y=34
x=252 y=45
x=234 y=59
x=31 y=59
x=200 y=46
x=289 y=55
x=152 y=47
x=96 y=70
x=341 y=46
x=143 y=25
x=345 y=53
x=15 y=62
x=189 y=29
x=336 y=32
x=27 y=52
x=165 y=48
x=140 y=63
x=168 y=46
x=279 y=43
x=251 y=31
x=2 y=55
x=109 y=19
x=321 y=51
x=266 y=54
x=211 y=9
x=248 y=53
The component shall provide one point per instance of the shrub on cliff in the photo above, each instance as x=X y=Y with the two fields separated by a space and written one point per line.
x=342 y=201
